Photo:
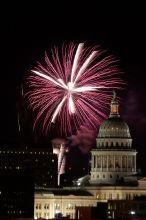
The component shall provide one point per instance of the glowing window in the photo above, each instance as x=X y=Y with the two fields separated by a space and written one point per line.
x=114 y=109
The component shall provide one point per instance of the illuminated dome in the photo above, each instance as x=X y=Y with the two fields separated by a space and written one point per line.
x=114 y=127
x=114 y=132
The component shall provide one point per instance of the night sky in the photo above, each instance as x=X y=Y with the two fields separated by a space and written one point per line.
x=28 y=31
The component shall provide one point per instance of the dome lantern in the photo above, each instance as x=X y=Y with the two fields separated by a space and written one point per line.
x=114 y=111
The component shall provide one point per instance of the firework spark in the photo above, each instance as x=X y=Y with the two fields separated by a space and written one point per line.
x=72 y=88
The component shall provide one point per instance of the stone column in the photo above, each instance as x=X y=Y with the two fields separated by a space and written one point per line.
x=133 y=164
x=96 y=162
x=114 y=163
x=121 y=163
x=107 y=158
x=126 y=163
x=101 y=162
x=92 y=166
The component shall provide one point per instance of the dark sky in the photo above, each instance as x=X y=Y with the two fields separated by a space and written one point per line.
x=27 y=31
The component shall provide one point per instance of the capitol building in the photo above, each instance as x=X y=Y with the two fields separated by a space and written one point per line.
x=114 y=158
x=112 y=175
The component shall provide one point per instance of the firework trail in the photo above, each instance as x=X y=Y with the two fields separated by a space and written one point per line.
x=73 y=87
x=60 y=149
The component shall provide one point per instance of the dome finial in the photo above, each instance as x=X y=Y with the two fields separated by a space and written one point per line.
x=114 y=94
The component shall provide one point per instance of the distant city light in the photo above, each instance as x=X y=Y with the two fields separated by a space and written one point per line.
x=132 y=212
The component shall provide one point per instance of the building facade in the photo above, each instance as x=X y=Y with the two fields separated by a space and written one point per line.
x=16 y=194
x=113 y=158
x=40 y=162
x=65 y=201
x=61 y=201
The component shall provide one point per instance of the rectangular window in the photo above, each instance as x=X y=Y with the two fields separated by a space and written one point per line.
x=57 y=206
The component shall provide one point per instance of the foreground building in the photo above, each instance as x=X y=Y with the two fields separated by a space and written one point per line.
x=127 y=209
x=40 y=162
x=50 y=202
x=16 y=194
x=113 y=174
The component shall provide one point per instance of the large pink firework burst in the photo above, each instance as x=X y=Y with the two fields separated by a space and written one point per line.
x=73 y=87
